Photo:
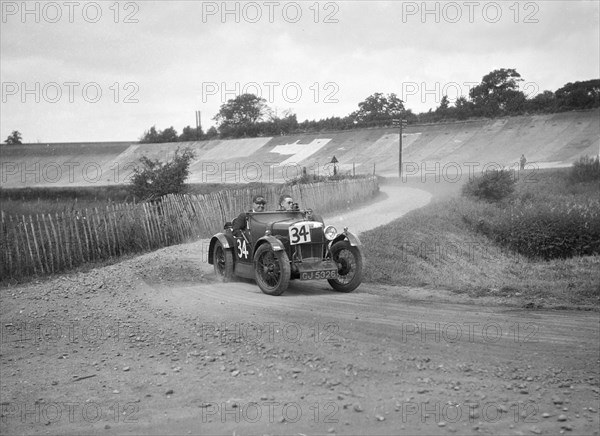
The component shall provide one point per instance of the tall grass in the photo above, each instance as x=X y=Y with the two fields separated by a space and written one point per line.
x=553 y=217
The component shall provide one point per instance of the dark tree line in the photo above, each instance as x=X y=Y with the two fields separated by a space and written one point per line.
x=497 y=95
x=153 y=136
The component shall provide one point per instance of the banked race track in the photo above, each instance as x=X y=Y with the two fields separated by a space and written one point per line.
x=447 y=151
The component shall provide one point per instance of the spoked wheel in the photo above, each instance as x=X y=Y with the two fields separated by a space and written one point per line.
x=272 y=270
x=350 y=265
x=223 y=263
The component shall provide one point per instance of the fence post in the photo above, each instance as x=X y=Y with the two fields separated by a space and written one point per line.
x=29 y=244
x=68 y=239
x=48 y=238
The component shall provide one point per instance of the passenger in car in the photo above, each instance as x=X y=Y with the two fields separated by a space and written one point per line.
x=286 y=202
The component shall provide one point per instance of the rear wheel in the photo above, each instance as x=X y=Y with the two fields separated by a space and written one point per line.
x=271 y=270
x=223 y=262
x=350 y=265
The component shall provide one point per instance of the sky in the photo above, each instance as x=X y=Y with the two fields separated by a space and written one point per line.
x=78 y=71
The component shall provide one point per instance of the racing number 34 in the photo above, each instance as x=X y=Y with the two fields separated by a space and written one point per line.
x=299 y=234
x=242 y=251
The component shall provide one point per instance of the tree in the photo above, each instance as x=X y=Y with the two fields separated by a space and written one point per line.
x=238 y=117
x=514 y=103
x=153 y=136
x=150 y=136
x=543 y=102
x=378 y=109
x=14 y=138
x=579 y=95
x=156 y=178
x=463 y=108
x=168 y=135
x=497 y=91
x=191 y=134
x=444 y=110
x=410 y=117
x=444 y=105
x=212 y=133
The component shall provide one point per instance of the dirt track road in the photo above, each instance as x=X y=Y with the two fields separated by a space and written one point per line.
x=153 y=346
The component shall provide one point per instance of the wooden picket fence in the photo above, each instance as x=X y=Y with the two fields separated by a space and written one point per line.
x=50 y=243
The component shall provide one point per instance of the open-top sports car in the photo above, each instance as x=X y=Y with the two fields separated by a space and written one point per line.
x=279 y=246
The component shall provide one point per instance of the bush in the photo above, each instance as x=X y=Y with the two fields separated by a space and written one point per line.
x=156 y=178
x=554 y=230
x=492 y=186
x=587 y=169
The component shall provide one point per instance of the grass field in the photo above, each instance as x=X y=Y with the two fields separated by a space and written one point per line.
x=435 y=247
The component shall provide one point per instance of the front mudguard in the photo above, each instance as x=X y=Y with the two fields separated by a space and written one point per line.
x=351 y=237
x=275 y=243
x=226 y=241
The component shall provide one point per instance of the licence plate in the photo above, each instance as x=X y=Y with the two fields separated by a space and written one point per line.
x=316 y=275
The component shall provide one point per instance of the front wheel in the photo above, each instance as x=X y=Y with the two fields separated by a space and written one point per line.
x=350 y=265
x=271 y=270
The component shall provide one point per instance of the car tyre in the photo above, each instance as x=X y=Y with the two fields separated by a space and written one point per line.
x=223 y=262
x=350 y=266
x=271 y=270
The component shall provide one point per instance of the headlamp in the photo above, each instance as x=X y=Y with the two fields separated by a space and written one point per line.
x=330 y=233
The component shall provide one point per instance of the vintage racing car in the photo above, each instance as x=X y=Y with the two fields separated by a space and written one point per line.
x=279 y=246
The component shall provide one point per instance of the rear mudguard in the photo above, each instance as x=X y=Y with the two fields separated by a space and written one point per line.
x=225 y=240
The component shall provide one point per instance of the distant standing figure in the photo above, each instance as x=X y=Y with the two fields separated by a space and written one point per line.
x=523 y=161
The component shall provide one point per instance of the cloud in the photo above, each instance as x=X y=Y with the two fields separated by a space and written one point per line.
x=335 y=53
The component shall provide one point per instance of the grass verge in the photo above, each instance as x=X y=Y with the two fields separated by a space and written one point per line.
x=436 y=248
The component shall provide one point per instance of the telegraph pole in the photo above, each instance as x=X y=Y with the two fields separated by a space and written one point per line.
x=400 y=152
x=400 y=123
x=198 y=124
